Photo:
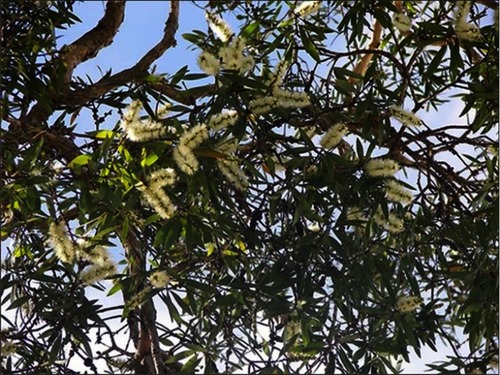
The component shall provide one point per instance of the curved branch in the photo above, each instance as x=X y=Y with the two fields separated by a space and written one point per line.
x=90 y=43
x=135 y=73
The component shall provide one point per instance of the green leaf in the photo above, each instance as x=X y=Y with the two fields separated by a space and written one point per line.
x=80 y=161
x=174 y=314
x=437 y=60
x=149 y=160
x=190 y=366
x=18 y=302
x=104 y=134
x=115 y=288
x=308 y=44
x=249 y=29
x=55 y=349
x=181 y=355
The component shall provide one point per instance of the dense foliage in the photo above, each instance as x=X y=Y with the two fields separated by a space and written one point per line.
x=300 y=201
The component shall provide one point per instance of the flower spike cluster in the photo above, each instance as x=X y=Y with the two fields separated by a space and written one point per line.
x=64 y=247
x=396 y=192
x=333 y=136
x=393 y=223
x=230 y=168
x=138 y=299
x=231 y=57
x=209 y=63
x=405 y=117
x=279 y=98
x=138 y=130
x=183 y=154
x=223 y=120
x=154 y=194
x=102 y=264
x=381 y=167
x=306 y=8
x=159 y=279
x=464 y=29
x=220 y=28
x=408 y=304
x=402 y=22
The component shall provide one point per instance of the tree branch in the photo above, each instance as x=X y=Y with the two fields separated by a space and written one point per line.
x=89 y=44
x=138 y=71
x=362 y=65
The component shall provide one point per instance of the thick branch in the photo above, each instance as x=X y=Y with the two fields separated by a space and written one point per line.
x=138 y=71
x=89 y=44
x=362 y=65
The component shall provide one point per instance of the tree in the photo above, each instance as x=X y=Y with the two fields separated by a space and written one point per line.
x=288 y=203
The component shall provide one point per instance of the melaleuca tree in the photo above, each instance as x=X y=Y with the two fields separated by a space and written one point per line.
x=299 y=201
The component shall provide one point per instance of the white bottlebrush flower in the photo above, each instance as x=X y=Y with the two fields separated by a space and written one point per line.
x=162 y=177
x=209 y=63
x=307 y=8
x=185 y=159
x=138 y=299
x=261 y=105
x=163 y=110
x=99 y=255
x=462 y=10
x=467 y=31
x=279 y=74
x=98 y=272
x=7 y=348
x=231 y=170
x=232 y=56
x=464 y=29
x=247 y=64
x=291 y=99
x=356 y=214
x=392 y=223
x=381 y=167
x=408 y=304
x=65 y=249
x=132 y=111
x=159 y=279
x=333 y=136
x=405 y=117
x=280 y=98
x=223 y=120
x=219 y=27
x=102 y=265
x=402 y=22
x=143 y=131
x=195 y=136
x=314 y=227
x=396 y=192
x=228 y=146
x=159 y=201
